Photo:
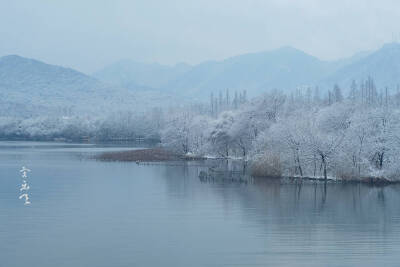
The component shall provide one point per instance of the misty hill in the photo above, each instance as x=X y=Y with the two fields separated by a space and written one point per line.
x=281 y=68
x=382 y=65
x=128 y=73
x=288 y=68
x=29 y=86
x=23 y=75
x=284 y=68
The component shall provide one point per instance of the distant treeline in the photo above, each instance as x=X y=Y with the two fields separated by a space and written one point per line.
x=305 y=133
x=118 y=126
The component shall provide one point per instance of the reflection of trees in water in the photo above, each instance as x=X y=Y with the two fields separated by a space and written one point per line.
x=310 y=201
x=282 y=200
x=308 y=204
x=381 y=196
x=342 y=194
x=223 y=177
x=233 y=171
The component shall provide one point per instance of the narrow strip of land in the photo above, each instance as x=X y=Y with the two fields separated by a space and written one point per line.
x=143 y=155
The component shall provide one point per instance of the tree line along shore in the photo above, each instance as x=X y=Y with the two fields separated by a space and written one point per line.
x=343 y=134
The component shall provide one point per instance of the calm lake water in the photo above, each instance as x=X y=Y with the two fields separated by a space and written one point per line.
x=90 y=213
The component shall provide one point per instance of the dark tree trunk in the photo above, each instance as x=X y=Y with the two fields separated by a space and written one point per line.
x=323 y=159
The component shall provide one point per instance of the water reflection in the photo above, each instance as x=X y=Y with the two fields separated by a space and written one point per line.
x=302 y=222
x=361 y=202
x=207 y=213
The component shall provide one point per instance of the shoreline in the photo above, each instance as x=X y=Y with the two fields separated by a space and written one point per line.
x=164 y=155
x=145 y=155
x=363 y=180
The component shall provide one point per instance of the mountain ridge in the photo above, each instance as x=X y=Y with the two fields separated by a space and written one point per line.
x=283 y=68
x=33 y=83
x=32 y=86
x=383 y=65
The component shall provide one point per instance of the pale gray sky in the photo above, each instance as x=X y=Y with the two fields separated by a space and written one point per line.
x=88 y=34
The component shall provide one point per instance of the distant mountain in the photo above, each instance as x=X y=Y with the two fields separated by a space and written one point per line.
x=350 y=60
x=29 y=86
x=288 y=68
x=129 y=73
x=382 y=65
x=30 y=83
x=285 y=68
x=23 y=75
x=282 y=68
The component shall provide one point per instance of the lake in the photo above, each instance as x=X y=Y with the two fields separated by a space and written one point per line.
x=85 y=212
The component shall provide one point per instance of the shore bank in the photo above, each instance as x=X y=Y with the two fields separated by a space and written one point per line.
x=145 y=155
x=363 y=180
x=164 y=155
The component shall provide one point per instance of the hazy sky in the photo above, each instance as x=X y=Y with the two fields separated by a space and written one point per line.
x=88 y=34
